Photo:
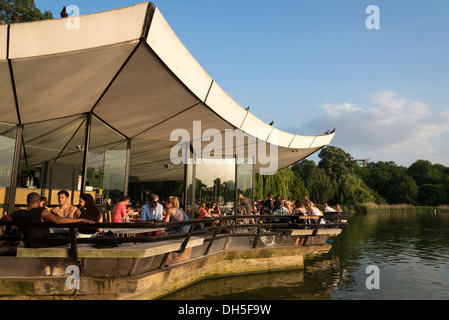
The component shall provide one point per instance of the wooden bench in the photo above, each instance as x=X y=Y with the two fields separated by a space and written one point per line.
x=126 y=250
x=309 y=232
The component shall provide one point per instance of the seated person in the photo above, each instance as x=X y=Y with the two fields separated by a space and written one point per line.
x=153 y=210
x=312 y=210
x=120 y=212
x=174 y=214
x=214 y=211
x=203 y=212
x=65 y=210
x=35 y=214
x=328 y=210
x=89 y=211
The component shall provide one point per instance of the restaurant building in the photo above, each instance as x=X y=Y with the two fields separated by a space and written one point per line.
x=112 y=103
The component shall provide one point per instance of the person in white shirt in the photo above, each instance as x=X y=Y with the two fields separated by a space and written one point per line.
x=153 y=210
x=328 y=209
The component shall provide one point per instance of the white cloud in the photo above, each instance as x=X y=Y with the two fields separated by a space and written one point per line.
x=390 y=128
x=336 y=111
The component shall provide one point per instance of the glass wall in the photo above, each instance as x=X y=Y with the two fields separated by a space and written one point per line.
x=106 y=164
x=51 y=158
x=7 y=143
x=152 y=171
x=245 y=177
x=216 y=182
x=189 y=198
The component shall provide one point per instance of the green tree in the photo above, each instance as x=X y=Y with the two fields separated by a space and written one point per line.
x=336 y=162
x=26 y=9
x=352 y=190
x=423 y=172
x=321 y=187
x=403 y=190
x=303 y=168
x=392 y=182
x=432 y=194
x=283 y=182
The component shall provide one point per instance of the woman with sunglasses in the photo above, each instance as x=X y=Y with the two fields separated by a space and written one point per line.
x=153 y=210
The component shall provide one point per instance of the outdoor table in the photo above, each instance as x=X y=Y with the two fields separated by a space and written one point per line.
x=132 y=230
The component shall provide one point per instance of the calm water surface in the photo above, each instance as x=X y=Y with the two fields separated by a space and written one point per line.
x=410 y=249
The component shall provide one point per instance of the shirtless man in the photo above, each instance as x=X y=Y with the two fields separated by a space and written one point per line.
x=65 y=210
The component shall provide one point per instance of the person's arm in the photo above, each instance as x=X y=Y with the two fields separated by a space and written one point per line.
x=77 y=213
x=100 y=221
x=169 y=214
x=6 y=218
x=122 y=211
x=49 y=217
x=159 y=213
x=144 y=214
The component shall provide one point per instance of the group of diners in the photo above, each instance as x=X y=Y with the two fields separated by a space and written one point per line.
x=87 y=212
x=304 y=207
x=153 y=211
x=35 y=221
x=37 y=212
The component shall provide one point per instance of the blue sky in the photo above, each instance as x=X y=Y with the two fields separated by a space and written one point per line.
x=312 y=66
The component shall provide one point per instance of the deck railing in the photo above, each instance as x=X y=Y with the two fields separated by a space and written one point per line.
x=253 y=226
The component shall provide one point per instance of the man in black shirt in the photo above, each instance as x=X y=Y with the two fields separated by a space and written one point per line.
x=38 y=215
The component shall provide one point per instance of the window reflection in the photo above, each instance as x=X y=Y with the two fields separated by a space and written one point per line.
x=216 y=182
x=245 y=176
x=51 y=158
x=151 y=171
x=7 y=143
x=106 y=163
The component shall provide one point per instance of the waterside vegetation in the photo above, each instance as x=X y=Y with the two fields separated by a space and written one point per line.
x=337 y=178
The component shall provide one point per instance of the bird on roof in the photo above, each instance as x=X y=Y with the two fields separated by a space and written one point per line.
x=332 y=131
x=271 y=123
x=327 y=132
x=15 y=18
x=2 y=21
x=247 y=109
x=64 y=13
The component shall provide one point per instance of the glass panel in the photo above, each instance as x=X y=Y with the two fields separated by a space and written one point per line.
x=7 y=144
x=51 y=159
x=216 y=182
x=189 y=190
x=151 y=171
x=106 y=163
x=245 y=174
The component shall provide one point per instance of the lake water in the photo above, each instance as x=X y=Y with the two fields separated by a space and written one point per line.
x=410 y=250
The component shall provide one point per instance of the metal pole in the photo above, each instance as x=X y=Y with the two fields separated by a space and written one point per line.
x=236 y=184
x=184 y=196
x=128 y=156
x=193 y=187
x=15 y=169
x=254 y=182
x=86 y=152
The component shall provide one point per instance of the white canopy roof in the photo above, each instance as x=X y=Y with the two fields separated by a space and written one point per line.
x=130 y=69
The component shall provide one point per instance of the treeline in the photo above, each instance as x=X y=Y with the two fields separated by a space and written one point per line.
x=338 y=179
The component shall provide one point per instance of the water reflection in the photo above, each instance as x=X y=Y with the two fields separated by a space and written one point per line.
x=410 y=250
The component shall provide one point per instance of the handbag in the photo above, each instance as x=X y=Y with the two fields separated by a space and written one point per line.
x=112 y=237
